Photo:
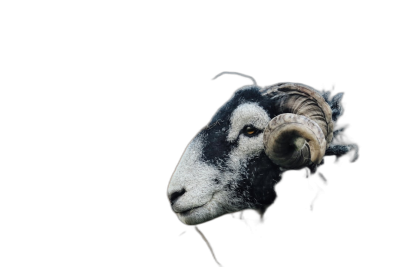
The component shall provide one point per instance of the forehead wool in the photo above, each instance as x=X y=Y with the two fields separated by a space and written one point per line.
x=247 y=114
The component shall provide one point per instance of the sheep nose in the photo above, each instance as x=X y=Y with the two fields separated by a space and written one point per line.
x=175 y=195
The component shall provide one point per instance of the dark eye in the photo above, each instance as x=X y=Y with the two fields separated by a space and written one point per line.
x=250 y=131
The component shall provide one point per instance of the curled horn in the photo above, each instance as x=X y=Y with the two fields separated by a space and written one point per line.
x=301 y=131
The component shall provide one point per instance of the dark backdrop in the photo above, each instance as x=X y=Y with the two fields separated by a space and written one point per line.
x=144 y=107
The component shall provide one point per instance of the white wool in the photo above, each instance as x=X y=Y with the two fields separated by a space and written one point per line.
x=196 y=177
x=245 y=114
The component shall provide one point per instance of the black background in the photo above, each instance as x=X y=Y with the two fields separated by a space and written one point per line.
x=142 y=106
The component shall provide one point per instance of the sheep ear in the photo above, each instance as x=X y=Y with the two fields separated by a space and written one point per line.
x=303 y=128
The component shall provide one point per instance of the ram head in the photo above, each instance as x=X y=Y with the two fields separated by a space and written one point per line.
x=236 y=160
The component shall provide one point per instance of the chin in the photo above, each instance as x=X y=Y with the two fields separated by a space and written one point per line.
x=219 y=205
x=201 y=214
x=204 y=214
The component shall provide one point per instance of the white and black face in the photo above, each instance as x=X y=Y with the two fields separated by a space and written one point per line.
x=224 y=169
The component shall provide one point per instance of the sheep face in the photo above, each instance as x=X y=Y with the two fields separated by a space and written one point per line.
x=224 y=168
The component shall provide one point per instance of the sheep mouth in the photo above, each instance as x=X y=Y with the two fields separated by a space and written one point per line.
x=191 y=210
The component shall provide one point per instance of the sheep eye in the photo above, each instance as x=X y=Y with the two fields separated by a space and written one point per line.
x=250 y=131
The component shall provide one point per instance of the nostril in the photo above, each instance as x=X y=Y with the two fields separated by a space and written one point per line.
x=174 y=196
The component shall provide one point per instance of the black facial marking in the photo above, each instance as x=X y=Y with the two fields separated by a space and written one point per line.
x=256 y=186
x=264 y=176
x=216 y=148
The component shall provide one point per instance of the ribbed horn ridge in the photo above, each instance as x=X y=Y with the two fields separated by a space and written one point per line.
x=302 y=129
